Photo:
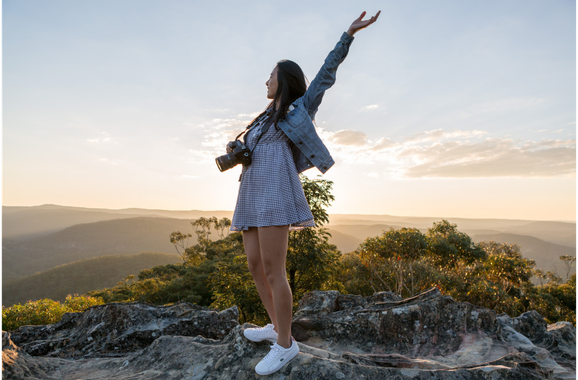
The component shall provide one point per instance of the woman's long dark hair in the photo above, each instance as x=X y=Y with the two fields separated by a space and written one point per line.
x=291 y=86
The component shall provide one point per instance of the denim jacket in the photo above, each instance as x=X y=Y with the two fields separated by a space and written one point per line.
x=308 y=149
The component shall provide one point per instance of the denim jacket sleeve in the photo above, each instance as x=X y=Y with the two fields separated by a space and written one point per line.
x=325 y=78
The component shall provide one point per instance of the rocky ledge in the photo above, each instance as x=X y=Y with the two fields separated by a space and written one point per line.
x=429 y=336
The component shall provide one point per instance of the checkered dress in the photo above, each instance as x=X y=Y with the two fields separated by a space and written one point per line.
x=270 y=193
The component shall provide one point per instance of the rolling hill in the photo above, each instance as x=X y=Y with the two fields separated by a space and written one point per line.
x=82 y=276
x=562 y=233
x=21 y=223
x=83 y=241
x=42 y=237
x=545 y=254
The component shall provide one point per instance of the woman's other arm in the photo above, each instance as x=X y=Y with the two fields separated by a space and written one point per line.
x=325 y=78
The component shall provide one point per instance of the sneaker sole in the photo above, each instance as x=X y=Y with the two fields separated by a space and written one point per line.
x=283 y=365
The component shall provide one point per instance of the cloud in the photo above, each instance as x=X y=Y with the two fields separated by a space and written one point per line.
x=382 y=143
x=429 y=154
x=439 y=134
x=370 y=107
x=105 y=138
x=212 y=137
x=492 y=158
x=348 y=137
x=456 y=154
x=251 y=115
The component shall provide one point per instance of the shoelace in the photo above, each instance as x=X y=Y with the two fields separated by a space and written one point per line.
x=272 y=355
x=264 y=329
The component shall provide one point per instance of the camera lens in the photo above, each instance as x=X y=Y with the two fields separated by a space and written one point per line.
x=226 y=162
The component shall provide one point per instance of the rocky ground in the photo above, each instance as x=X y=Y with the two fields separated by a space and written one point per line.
x=429 y=336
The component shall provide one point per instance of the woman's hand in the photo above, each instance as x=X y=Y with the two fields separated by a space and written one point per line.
x=358 y=24
x=229 y=150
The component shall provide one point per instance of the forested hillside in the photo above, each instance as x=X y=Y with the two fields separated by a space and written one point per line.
x=404 y=260
x=123 y=234
x=83 y=241
x=347 y=237
x=82 y=276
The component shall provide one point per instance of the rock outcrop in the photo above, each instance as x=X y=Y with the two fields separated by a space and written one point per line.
x=429 y=336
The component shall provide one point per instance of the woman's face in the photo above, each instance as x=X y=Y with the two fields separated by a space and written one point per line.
x=272 y=84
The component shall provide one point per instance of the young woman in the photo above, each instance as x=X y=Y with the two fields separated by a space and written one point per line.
x=271 y=200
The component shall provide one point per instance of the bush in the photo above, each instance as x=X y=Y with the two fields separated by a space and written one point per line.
x=44 y=312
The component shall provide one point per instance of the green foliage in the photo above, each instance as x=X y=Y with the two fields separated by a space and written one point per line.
x=44 y=311
x=177 y=282
x=396 y=256
x=81 y=276
x=557 y=302
x=232 y=284
x=447 y=247
x=215 y=273
x=194 y=255
x=318 y=195
x=489 y=274
x=353 y=275
x=569 y=263
x=311 y=261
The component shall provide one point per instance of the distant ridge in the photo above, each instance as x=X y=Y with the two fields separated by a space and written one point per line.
x=82 y=276
x=40 y=237
x=21 y=222
x=87 y=240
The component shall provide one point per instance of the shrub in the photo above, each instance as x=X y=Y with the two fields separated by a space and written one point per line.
x=44 y=311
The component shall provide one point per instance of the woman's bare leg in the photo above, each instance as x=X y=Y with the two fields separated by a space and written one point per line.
x=273 y=246
x=251 y=243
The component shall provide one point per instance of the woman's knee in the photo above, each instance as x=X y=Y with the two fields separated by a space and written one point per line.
x=255 y=265
x=274 y=274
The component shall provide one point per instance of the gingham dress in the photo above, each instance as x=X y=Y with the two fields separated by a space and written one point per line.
x=270 y=193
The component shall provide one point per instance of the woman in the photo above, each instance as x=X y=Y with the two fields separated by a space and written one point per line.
x=271 y=200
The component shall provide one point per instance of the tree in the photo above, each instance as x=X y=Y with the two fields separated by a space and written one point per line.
x=202 y=228
x=181 y=243
x=398 y=249
x=539 y=273
x=319 y=197
x=448 y=247
x=569 y=263
x=311 y=259
x=505 y=265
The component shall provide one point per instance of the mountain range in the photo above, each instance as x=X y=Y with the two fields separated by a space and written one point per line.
x=37 y=239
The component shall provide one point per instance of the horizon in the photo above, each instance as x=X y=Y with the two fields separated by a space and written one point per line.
x=331 y=213
x=440 y=108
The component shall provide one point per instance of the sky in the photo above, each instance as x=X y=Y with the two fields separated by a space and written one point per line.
x=442 y=108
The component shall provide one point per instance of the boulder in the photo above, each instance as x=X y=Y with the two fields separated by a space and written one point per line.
x=429 y=336
x=118 y=328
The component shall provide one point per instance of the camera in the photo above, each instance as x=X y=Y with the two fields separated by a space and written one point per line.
x=240 y=155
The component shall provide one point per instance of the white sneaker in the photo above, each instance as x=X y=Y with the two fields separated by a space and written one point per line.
x=261 y=333
x=277 y=358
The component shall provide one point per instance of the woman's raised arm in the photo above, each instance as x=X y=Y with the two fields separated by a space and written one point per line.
x=359 y=24
x=325 y=78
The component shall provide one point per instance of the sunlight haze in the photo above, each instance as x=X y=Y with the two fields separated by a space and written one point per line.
x=445 y=108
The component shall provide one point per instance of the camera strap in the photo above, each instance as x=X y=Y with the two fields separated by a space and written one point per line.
x=264 y=130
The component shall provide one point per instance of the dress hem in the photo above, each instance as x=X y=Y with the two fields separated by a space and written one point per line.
x=292 y=227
